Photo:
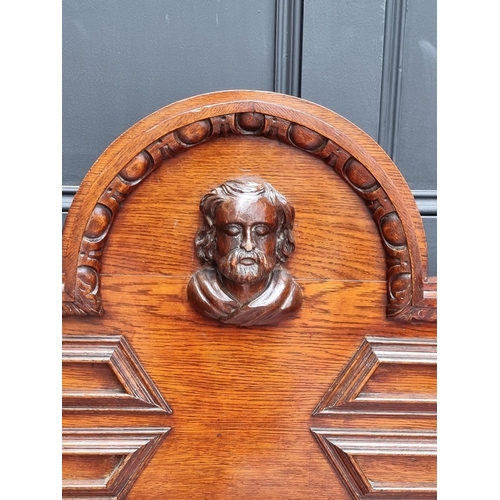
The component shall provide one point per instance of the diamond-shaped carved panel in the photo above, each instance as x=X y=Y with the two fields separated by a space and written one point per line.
x=386 y=376
x=103 y=373
x=105 y=463
x=388 y=465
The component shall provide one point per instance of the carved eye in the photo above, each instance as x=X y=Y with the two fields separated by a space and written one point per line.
x=261 y=230
x=232 y=229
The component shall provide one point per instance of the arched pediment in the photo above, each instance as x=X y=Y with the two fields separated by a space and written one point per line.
x=174 y=130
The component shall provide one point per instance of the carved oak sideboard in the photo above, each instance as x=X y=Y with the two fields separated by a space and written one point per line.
x=301 y=366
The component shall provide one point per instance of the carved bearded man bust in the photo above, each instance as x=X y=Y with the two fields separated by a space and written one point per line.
x=246 y=236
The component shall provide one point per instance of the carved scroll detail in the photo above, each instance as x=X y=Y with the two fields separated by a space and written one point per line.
x=87 y=300
x=133 y=449
x=402 y=302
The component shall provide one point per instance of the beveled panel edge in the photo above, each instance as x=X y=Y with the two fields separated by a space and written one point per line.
x=339 y=446
x=142 y=395
x=373 y=351
x=137 y=445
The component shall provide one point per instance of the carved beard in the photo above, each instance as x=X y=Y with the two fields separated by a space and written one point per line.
x=230 y=266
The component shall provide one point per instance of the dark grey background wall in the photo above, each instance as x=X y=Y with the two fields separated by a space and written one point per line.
x=372 y=61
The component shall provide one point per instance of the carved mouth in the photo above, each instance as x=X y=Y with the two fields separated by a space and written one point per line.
x=247 y=261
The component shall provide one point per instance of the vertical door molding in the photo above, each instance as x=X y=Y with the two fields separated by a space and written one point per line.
x=390 y=88
x=288 y=48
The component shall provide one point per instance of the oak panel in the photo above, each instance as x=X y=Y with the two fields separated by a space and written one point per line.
x=243 y=400
x=95 y=377
x=87 y=470
x=386 y=375
x=182 y=350
x=376 y=464
x=154 y=231
x=90 y=362
x=401 y=382
x=404 y=472
x=103 y=463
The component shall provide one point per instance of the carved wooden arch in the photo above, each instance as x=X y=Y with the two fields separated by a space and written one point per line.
x=172 y=130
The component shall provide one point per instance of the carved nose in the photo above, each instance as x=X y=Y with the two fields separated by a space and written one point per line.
x=247 y=243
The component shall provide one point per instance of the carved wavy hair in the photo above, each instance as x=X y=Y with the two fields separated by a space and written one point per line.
x=206 y=238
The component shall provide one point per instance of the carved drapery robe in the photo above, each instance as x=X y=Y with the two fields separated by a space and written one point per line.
x=281 y=296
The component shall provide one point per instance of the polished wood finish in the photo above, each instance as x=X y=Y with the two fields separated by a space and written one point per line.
x=298 y=409
x=104 y=463
x=247 y=235
x=87 y=385
x=383 y=464
x=383 y=377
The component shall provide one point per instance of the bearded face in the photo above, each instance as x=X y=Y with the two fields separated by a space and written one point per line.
x=243 y=267
x=245 y=250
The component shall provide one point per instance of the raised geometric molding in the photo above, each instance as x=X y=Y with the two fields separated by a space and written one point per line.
x=390 y=465
x=136 y=392
x=380 y=378
x=120 y=456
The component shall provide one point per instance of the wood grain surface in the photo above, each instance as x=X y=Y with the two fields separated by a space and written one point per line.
x=165 y=245
x=242 y=400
